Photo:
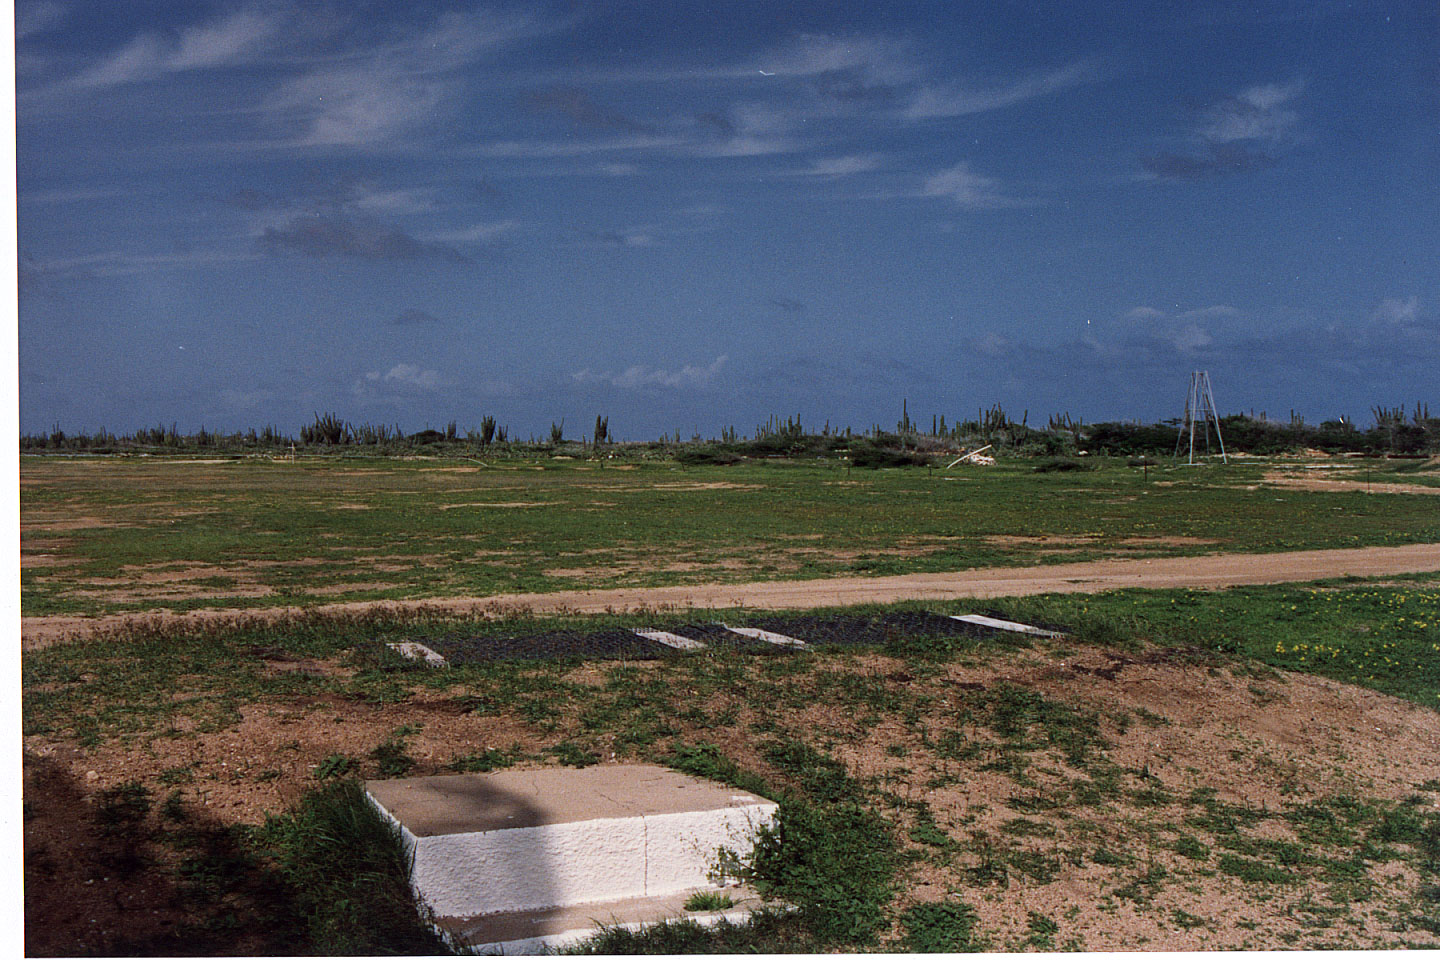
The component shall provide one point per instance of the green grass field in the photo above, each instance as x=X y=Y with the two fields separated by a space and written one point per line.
x=1149 y=761
x=115 y=535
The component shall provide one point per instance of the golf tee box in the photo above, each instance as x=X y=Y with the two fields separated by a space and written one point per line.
x=519 y=854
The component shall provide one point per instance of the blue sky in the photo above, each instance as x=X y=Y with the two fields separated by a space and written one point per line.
x=687 y=215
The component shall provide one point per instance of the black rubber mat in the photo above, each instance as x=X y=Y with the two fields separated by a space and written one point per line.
x=620 y=644
x=715 y=635
x=612 y=644
x=870 y=631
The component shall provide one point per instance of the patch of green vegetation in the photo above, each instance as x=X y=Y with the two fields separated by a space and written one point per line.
x=1254 y=871
x=1386 y=637
x=348 y=872
x=764 y=931
x=944 y=927
x=707 y=900
x=836 y=863
x=333 y=766
x=571 y=754
x=1188 y=846
x=258 y=519
x=486 y=760
x=1142 y=888
x=928 y=832
x=390 y=757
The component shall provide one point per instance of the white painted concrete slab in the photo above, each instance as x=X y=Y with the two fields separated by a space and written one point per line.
x=533 y=840
x=670 y=639
x=779 y=639
x=418 y=651
x=1011 y=625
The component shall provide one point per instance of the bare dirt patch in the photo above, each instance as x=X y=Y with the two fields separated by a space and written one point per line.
x=699 y=485
x=1327 y=484
x=34 y=560
x=338 y=589
x=1166 y=725
x=1203 y=572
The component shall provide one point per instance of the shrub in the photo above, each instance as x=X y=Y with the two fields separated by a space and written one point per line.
x=702 y=456
x=873 y=457
x=1062 y=465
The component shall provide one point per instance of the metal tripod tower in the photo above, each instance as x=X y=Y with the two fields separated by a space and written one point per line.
x=1200 y=404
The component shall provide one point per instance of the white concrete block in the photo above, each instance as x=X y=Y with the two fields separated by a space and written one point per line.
x=418 y=651
x=671 y=639
x=1010 y=625
x=531 y=867
x=681 y=848
x=532 y=840
x=769 y=636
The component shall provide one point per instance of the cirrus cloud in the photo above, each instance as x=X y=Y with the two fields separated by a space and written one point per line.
x=640 y=376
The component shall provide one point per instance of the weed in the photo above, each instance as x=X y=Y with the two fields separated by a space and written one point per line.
x=390 y=756
x=122 y=808
x=348 y=873
x=1254 y=871
x=1106 y=857
x=928 y=832
x=765 y=931
x=708 y=900
x=944 y=927
x=333 y=766
x=1185 y=921
x=485 y=761
x=1042 y=931
x=571 y=754
x=1021 y=827
x=1142 y=888
x=836 y=863
x=1188 y=846
x=823 y=779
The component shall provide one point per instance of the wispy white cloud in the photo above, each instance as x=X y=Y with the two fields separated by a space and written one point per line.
x=641 y=376
x=747 y=130
x=619 y=169
x=1259 y=115
x=1186 y=331
x=402 y=379
x=1236 y=135
x=409 y=374
x=375 y=93
x=331 y=234
x=635 y=238
x=845 y=166
x=124 y=263
x=545 y=150
x=478 y=233
x=1397 y=311
x=233 y=39
x=966 y=188
x=34 y=18
x=954 y=100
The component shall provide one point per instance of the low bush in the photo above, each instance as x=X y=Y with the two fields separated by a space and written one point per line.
x=873 y=457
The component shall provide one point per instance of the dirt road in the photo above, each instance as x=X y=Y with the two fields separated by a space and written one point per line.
x=1206 y=572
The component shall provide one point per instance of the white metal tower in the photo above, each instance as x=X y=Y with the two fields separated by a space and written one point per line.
x=1200 y=404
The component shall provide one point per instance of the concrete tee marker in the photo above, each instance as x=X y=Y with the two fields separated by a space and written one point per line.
x=1010 y=625
x=502 y=854
x=670 y=639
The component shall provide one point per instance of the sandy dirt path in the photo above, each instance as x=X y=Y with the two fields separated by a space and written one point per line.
x=1205 y=572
